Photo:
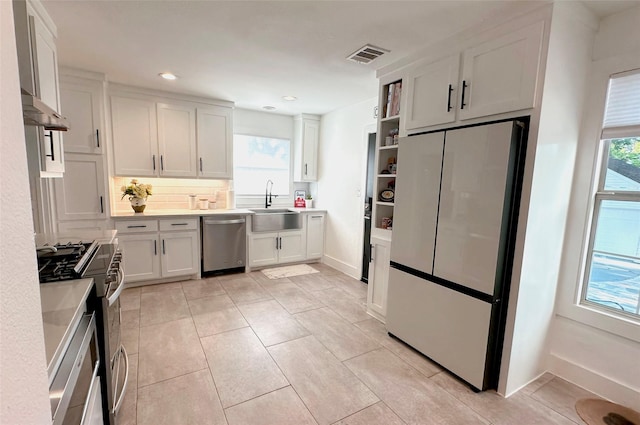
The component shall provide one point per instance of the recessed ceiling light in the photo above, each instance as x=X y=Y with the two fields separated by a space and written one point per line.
x=290 y=98
x=167 y=76
x=269 y=108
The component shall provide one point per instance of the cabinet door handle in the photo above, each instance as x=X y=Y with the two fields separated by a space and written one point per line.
x=53 y=154
x=155 y=247
x=464 y=88
x=280 y=242
x=153 y=159
x=161 y=163
x=449 y=98
x=98 y=137
x=101 y=206
x=277 y=247
x=305 y=169
x=372 y=248
x=200 y=164
x=163 y=250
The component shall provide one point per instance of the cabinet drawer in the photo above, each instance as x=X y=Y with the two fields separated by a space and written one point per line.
x=178 y=224
x=136 y=226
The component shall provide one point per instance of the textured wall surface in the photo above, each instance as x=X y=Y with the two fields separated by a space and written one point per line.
x=24 y=395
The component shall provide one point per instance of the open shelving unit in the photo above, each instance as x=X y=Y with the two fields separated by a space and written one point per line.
x=386 y=155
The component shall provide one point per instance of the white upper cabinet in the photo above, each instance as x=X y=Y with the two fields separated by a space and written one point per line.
x=431 y=93
x=215 y=142
x=81 y=103
x=46 y=64
x=135 y=136
x=170 y=137
x=177 y=140
x=81 y=193
x=306 y=138
x=501 y=75
x=497 y=76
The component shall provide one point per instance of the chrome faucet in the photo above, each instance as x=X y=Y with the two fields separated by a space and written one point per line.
x=267 y=194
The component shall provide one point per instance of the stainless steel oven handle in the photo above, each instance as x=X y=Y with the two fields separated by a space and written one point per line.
x=93 y=381
x=112 y=299
x=116 y=408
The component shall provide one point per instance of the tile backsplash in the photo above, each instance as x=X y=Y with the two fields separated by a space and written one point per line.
x=171 y=193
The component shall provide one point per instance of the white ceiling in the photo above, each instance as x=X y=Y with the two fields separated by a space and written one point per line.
x=255 y=52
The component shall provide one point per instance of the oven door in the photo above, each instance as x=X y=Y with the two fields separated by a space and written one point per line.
x=76 y=387
x=119 y=361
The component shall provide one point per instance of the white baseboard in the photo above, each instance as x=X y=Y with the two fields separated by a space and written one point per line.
x=345 y=268
x=596 y=383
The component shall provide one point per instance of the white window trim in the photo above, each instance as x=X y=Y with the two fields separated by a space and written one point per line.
x=257 y=201
x=579 y=225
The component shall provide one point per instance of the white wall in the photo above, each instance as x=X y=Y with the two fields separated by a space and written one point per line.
x=553 y=155
x=587 y=348
x=342 y=169
x=24 y=395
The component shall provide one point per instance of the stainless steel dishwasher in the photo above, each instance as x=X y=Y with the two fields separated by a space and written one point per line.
x=224 y=243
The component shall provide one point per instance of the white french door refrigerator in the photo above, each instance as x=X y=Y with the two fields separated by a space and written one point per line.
x=456 y=205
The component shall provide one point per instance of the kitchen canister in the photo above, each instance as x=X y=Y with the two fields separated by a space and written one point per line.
x=193 y=202
x=231 y=199
x=204 y=204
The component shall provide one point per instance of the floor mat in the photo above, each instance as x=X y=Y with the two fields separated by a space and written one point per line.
x=596 y=412
x=288 y=271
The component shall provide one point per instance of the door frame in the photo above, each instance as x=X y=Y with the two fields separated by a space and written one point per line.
x=366 y=132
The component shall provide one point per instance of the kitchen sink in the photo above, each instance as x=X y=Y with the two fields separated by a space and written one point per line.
x=271 y=211
x=274 y=220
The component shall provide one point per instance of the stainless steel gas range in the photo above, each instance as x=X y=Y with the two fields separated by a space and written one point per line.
x=102 y=263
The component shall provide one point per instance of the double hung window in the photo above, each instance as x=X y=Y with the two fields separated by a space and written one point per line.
x=612 y=277
x=257 y=160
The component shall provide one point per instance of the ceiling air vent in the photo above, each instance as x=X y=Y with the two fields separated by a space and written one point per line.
x=367 y=54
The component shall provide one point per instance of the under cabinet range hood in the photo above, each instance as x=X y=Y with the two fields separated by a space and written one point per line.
x=36 y=112
x=37 y=66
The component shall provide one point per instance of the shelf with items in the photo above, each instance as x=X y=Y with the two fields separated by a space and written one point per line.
x=389 y=123
x=391 y=94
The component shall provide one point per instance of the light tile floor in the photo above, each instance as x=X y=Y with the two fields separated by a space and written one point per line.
x=247 y=350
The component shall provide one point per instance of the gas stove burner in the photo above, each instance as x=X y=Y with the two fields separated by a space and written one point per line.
x=63 y=261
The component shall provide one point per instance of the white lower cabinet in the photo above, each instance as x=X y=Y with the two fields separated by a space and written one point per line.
x=276 y=247
x=179 y=253
x=378 y=278
x=140 y=258
x=151 y=254
x=291 y=247
x=315 y=236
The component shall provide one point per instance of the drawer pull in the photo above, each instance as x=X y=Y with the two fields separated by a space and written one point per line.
x=137 y=226
x=179 y=224
x=316 y=216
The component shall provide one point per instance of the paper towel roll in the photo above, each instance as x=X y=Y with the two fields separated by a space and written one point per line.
x=231 y=199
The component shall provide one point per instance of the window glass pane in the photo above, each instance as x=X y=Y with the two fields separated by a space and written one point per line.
x=614 y=277
x=257 y=160
x=623 y=165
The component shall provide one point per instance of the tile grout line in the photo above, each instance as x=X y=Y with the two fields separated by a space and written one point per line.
x=206 y=359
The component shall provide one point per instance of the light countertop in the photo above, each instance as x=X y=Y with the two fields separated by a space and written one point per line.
x=63 y=304
x=186 y=212
x=79 y=235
